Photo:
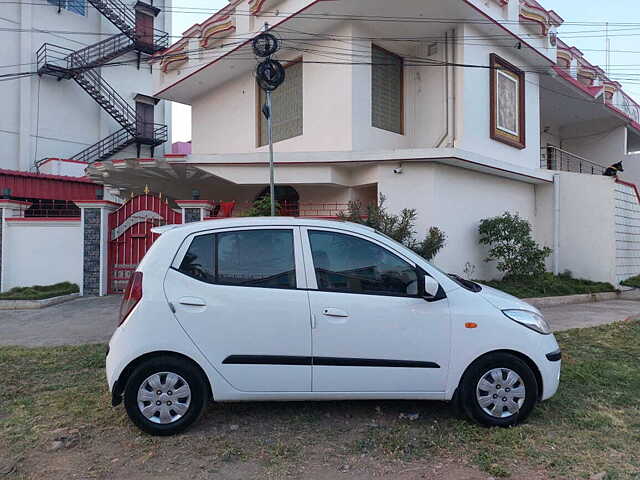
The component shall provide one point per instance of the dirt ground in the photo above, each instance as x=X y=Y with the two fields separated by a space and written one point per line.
x=223 y=445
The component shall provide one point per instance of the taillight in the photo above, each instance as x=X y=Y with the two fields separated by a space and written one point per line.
x=131 y=297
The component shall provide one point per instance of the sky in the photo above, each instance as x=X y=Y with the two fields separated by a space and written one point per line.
x=590 y=38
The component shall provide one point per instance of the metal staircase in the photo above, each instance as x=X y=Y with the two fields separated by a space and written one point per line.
x=123 y=17
x=120 y=140
x=80 y=65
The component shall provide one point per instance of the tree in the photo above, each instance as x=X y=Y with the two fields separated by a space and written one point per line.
x=511 y=245
x=400 y=227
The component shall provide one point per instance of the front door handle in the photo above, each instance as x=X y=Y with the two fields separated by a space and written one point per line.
x=334 y=312
x=192 y=301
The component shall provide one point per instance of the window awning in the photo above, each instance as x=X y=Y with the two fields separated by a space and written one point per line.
x=45 y=186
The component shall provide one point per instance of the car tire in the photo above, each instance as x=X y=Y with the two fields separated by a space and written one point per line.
x=498 y=390
x=165 y=395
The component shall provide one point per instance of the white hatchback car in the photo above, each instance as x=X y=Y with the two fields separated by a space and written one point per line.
x=294 y=309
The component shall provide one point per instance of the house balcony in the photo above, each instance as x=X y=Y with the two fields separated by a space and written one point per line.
x=554 y=158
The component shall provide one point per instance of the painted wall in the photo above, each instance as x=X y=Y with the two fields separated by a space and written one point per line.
x=41 y=253
x=587 y=226
x=224 y=120
x=455 y=200
x=46 y=118
x=475 y=135
x=602 y=142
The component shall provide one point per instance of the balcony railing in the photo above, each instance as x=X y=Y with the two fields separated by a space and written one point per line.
x=554 y=158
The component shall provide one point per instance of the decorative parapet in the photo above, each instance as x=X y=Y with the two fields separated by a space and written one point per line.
x=256 y=7
x=216 y=28
x=175 y=56
x=531 y=12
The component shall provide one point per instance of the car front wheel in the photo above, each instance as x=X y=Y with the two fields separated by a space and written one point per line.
x=499 y=389
x=165 y=395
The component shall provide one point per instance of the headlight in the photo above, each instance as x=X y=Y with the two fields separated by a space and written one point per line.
x=529 y=319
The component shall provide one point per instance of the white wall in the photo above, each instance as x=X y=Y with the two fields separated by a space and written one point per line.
x=603 y=142
x=41 y=253
x=475 y=135
x=587 y=225
x=455 y=200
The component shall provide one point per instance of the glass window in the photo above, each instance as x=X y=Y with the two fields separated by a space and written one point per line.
x=286 y=103
x=198 y=261
x=344 y=263
x=386 y=90
x=256 y=258
x=75 y=6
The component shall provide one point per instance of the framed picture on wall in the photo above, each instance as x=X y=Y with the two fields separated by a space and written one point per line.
x=507 y=103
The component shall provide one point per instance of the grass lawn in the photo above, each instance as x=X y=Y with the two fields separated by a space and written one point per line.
x=592 y=425
x=549 y=285
x=39 y=292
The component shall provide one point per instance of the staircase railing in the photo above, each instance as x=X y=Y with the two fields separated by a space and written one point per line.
x=105 y=147
x=105 y=7
x=99 y=53
x=63 y=62
x=123 y=17
x=554 y=158
x=119 y=140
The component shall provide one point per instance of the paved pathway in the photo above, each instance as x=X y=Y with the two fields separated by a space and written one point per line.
x=565 y=317
x=93 y=319
x=84 y=320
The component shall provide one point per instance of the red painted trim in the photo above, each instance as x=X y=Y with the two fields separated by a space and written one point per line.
x=192 y=202
x=247 y=42
x=4 y=201
x=43 y=219
x=66 y=160
x=100 y=202
x=175 y=155
x=396 y=160
x=17 y=173
x=524 y=42
x=629 y=184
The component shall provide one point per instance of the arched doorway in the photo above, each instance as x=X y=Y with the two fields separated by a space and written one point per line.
x=287 y=198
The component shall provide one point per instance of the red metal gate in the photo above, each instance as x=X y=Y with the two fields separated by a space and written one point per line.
x=130 y=235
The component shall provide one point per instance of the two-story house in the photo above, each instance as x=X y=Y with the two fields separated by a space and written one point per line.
x=461 y=109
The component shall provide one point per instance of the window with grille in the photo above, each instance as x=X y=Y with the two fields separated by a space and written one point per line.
x=75 y=6
x=387 y=95
x=286 y=108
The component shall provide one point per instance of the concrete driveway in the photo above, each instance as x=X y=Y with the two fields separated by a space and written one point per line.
x=83 y=320
x=93 y=319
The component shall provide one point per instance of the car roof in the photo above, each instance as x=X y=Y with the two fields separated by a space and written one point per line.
x=189 y=228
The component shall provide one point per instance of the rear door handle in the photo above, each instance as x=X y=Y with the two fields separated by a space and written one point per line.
x=192 y=301
x=334 y=312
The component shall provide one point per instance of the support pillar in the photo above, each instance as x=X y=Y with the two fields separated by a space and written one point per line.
x=94 y=221
x=195 y=210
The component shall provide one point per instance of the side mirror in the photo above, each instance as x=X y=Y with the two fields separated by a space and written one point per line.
x=431 y=286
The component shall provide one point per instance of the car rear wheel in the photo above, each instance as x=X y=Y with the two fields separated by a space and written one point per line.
x=499 y=389
x=165 y=395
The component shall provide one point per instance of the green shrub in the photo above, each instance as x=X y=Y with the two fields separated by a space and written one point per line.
x=39 y=292
x=511 y=245
x=261 y=207
x=631 y=282
x=400 y=227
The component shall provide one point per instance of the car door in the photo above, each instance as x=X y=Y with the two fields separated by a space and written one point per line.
x=372 y=331
x=241 y=296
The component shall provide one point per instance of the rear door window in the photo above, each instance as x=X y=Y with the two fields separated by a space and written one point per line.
x=250 y=258
x=256 y=258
